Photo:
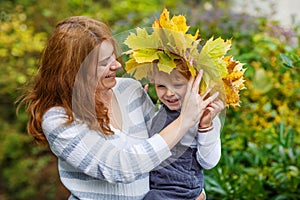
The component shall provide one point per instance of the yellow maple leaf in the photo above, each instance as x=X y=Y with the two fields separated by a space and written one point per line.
x=233 y=81
x=192 y=70
x=156 y=24
x=231 y=95
x=138 y=70
x=179 y=23
x=164 y=19
x=130 y=65
x=194 y=37
x=235 y=75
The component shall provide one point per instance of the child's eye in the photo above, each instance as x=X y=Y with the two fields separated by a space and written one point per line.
x=178 y=85
x=160 y=86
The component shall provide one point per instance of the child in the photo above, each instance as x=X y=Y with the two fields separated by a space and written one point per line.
x=178 y=54
x=181 y=175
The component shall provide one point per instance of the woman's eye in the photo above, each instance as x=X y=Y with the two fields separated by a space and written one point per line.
x=103 y=64
x=160 y=86
x=107 y=61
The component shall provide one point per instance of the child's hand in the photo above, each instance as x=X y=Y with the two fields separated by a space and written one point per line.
x=212 y=110
x=146 y=88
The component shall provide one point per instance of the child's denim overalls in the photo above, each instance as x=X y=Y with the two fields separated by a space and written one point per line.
x=180 y=176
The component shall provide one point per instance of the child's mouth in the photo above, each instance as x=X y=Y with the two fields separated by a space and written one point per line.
x=174 y=101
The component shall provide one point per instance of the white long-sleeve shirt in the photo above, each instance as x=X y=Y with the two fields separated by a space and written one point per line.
x=95 y=166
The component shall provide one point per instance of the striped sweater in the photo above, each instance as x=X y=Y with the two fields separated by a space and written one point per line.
x=95 y=166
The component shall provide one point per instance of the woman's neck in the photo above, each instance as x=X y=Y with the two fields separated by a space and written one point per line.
x=109 y=100
x=105 y=96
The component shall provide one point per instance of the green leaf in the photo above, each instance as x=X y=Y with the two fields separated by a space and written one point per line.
x=145 y=55
x=262 y=81
x=141 y=40
x=165 y=63
x=286 y=61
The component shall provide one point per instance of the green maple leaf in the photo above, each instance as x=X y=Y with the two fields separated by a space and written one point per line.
x=211 y=56
x=145 y=55
x=141 y=40
x=165 y=62
x=216 y=48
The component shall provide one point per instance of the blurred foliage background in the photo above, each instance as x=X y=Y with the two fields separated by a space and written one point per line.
x=260 y=139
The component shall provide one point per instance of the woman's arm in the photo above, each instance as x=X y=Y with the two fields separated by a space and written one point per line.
x=94 y=154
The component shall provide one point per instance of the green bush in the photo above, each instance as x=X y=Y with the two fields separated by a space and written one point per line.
x=260 y=139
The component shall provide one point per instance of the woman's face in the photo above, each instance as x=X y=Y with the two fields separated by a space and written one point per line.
x=107 y=66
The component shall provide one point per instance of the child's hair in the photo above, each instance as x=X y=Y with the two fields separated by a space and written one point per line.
x=182 y=68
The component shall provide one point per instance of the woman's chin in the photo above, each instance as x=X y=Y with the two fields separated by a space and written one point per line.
x=108 y=83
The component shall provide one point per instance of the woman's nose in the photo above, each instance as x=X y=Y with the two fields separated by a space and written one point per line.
x=115 y=65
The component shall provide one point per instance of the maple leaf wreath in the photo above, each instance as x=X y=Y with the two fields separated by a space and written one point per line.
x=169 y=40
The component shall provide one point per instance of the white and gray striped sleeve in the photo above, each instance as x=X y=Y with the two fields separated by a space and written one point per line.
x=90 y=152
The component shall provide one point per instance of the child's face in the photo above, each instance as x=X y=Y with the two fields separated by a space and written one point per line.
x=170 y=88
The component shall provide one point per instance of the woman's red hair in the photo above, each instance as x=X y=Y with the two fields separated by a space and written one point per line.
x=68 y=56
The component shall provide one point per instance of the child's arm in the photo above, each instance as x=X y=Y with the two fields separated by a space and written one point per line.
x=209 y=146
x=212 y=110
x=208 y=138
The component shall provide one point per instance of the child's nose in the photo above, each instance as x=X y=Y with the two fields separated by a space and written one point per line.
x=170 y=92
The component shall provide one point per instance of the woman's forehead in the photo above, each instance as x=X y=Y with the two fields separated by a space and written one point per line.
x=106 y=49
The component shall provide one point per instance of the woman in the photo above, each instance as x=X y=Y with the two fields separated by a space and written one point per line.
x=97 y=124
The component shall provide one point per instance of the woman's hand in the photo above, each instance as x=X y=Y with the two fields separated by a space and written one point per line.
x=192 y=110
x=194 y=104
x=212 y=110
